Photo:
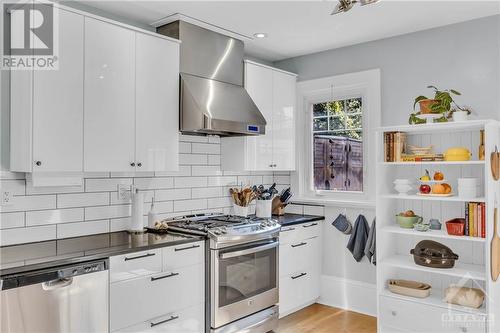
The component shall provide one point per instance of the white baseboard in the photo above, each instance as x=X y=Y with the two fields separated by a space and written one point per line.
x=349 y=295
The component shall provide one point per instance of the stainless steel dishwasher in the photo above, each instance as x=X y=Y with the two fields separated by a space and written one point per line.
x=61 y=299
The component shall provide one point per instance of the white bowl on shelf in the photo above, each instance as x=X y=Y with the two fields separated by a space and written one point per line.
x=403 y=182
x=403 y=186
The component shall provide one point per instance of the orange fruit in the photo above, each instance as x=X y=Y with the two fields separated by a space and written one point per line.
x=447 y=188
x=438 y=175
x=438 y=189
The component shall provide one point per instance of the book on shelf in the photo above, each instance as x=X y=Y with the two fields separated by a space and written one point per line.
x=475 y=219
x=394 y=146
x=422 y=158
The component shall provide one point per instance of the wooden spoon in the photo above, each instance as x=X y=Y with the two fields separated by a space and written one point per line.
x=495 y=249
x=495 y=164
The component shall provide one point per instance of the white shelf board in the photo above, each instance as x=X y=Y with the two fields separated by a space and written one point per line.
x=430 y=198
x=434 y=127
x=435 y=299
x=476 y=272
x=395 y=229
x=474 y=162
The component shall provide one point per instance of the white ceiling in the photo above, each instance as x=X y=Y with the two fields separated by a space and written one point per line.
x=301 y=27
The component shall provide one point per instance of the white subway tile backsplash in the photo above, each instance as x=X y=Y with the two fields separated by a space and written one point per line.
x=205 y=148
x=207 y=192
x=193 y=138
x=213 y=139
x=116 y=200
x=294 y=209
x=54 y=216
x=27 y=235
x=182 y=205
x=82 y=228
x=174 y=194
x=153 y=183
x=15 y=186
x=184 y=170
x=193 y=159
x=32 y=202
x=183 y=182
x=314 y=210
x=250 y=180
x=119 y=224
x=185 y=147
x=223 y=181
x=219 y=202
x=206 y=170
x=268 y=180
x=161 y=207
x=213 y=159
x=11 y=220
x=105 y=185
x=82 y=199
x=282 y=180
x=52 y=189
x=132 y=174
x=107 y=212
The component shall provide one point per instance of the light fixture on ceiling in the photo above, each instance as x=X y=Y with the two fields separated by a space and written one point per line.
x=260 y=35
x=345 y=5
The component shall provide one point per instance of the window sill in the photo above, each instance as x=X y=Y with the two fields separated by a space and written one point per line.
x=333 y=202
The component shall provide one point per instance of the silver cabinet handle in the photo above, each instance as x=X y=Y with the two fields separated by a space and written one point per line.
x=154 y=278
x=132 y=164
x=38 y=163
x=153 y=324
x=309 y=225
x=394 y=313
x=300 y=244
x=186 y=248
x=57 y=284
x=299 y=276
x=289 y=229
x=139 y=257
x=251 y=250
x=139 y=164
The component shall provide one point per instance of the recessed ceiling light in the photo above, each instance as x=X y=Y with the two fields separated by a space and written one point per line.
x=260 y=35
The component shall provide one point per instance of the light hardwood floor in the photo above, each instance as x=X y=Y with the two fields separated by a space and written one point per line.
x=319 y=318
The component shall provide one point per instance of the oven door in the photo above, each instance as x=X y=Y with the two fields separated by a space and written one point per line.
x=244 y=280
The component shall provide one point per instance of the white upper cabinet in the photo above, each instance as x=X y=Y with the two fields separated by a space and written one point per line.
x=157 y=103
x=109 y=97
x=47 y=107
x=273 y=91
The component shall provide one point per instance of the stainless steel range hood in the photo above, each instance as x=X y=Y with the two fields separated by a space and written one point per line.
x=212 y=97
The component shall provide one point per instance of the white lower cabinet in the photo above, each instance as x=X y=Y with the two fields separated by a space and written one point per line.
x=299 y=266
x=405 y=316
x=171 y=300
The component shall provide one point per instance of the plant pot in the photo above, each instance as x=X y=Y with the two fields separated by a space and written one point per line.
x=425 y=105
x=460 y=116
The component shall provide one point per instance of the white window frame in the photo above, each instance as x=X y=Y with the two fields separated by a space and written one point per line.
x=365 y=84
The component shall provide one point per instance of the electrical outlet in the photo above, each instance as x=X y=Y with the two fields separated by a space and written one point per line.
x=6 y=198
x=123 y=192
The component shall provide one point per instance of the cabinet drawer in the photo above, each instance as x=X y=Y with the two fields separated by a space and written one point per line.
x=414 y=317
x=293 y=233
x=298 y=256
x=137 y=300
x=131 y=265
x=190 y=320
x=298 y=289
x=183 y=255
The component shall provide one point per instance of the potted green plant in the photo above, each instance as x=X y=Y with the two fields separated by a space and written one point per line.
x=439 y=105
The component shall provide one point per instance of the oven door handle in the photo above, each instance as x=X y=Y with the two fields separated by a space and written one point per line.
x=227 y=255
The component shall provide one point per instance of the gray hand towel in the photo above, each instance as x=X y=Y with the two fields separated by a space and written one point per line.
x=359 y=236
x=370 y=248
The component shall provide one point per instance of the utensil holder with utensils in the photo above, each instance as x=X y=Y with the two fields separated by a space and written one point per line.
x=278 y=207
x=240 y=210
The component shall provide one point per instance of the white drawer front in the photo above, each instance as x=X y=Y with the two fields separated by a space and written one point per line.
x=298 y=289
x=137 y=300
x=183 y=255
x=129 y=266
x=293 y=233
x=298 y=256
x=414 y=317
x=190 y=320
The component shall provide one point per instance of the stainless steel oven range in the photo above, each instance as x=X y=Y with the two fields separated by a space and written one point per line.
x=242 y=277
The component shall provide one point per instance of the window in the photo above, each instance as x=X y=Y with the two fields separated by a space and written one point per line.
x=336 y=152
x=337 y=129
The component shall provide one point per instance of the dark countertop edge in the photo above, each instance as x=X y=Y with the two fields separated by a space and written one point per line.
x=293 y=219
x=98 y=256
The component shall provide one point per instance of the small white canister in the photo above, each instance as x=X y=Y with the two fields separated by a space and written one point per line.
x=240 y=210
x=263 y=208
x=467 y=188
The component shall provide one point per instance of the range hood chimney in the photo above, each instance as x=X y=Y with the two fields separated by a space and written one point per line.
x=212 y=97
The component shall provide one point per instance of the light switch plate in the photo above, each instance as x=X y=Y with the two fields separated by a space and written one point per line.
x=6 y=198
x=123 y=192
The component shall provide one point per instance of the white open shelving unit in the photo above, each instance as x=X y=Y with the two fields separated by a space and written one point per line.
x=397 y=313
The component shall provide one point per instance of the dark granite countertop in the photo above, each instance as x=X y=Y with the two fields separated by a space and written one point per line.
x=290 y=219
x=15 y=259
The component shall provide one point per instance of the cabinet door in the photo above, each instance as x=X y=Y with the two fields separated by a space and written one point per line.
x=58 y=102
x=283 y=129
x=109 y=122
x=157 y=103
x=259 y=149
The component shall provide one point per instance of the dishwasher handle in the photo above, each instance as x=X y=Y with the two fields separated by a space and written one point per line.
x=56 y=284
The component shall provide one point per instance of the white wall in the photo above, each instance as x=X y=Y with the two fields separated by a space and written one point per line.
x=463 y=56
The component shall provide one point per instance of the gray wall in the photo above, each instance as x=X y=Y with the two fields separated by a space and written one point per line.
x=463 y=56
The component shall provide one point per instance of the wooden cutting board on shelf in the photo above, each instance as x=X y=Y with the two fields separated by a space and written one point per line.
x=495 y=249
